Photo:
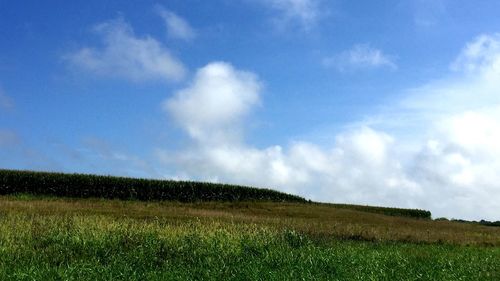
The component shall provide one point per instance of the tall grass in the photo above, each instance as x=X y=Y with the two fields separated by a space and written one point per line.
x=321 y=221
x=94 y=247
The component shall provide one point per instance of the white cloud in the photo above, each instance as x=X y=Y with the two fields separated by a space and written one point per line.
x=125 y=55
x=177 y=27
x=212 y=107
x=359 y=167
x=360 y=56
x=356 y=168
x=481 y=55
x=5 y=101
x=305 y=13
x=437 y=149
x=456 y=123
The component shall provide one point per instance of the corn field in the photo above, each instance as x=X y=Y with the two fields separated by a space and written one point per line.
x=94 y=186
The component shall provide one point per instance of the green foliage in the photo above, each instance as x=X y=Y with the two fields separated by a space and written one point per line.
x=481 y=222
x=489 y=223
x=35 y=247
x=93 y=186
x=399 y=212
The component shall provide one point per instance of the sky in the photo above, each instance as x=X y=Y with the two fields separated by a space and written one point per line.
x=388 y=103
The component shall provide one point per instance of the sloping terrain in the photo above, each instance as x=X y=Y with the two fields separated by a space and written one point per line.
x=253 y=235
x=97 y=239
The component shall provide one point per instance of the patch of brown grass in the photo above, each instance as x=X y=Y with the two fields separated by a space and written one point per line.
x=322 y=221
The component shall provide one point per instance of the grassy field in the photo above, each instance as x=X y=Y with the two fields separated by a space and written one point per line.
x=92 y=239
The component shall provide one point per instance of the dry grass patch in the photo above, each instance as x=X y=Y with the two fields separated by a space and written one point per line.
x=322 y=221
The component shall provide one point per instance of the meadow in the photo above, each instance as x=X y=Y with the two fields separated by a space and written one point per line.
x=57 y=226
x=49 y=238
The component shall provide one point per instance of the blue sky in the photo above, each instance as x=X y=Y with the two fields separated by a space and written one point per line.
x=388 y=103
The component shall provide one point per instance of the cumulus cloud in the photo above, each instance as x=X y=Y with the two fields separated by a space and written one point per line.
x=456 y=121
x=436 y=149
x=177 y=27
x=305 y=13
x=212 y=107
x=360 y=56
x=356 y=168
x=481 y=55
x=125 y=55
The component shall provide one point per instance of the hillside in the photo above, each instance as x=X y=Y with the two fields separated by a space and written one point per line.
x=253 y=235
x=97 y=239
x=108 y=187
x=314 y=219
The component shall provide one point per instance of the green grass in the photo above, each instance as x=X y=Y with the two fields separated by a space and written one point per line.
x=315 y=220
x=91 y=239
x=80 y=247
